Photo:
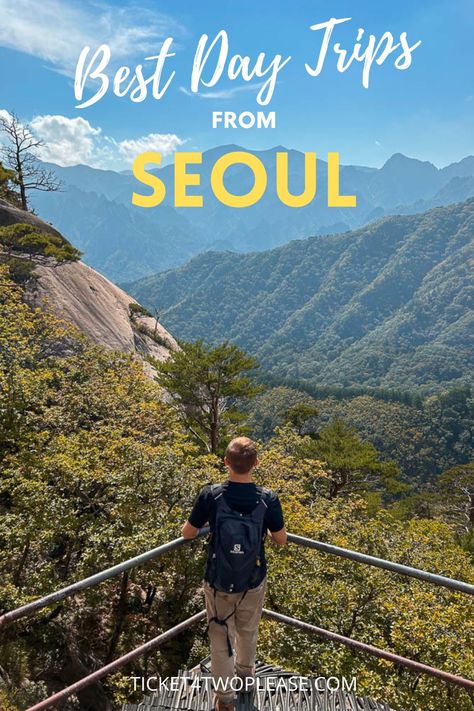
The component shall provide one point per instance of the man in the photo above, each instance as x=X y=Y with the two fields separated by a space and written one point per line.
x=239 y=514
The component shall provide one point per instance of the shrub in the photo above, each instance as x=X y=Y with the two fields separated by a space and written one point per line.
x=138 y=310
x=20 y=270
x=24 y=238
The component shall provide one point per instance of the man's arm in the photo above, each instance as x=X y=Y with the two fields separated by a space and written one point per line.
x=275 y=521
x=279 y=537
x=198 y=516
x=189 y=531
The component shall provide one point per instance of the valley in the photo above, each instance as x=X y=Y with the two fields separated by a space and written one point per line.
x=385 y=306
x=126 y=243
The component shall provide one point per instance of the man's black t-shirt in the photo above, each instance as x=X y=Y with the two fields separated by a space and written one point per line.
x=240 y=497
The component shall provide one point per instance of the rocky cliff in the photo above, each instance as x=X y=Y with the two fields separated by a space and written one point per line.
x=89 y=301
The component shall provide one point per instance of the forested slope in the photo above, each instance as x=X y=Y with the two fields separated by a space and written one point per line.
x=388 y=305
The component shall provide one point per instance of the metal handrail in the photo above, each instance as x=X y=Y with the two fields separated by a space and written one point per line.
x=118 y=663
x=407 y=570
x=369 y=649
x=92 y=580
x=270 y=614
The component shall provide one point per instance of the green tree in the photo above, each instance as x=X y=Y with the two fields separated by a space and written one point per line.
x=23 y=238
x=456 y=486
x=425 y=436
x=207 y=385
x=7 y=186
x=94 y=468
x=299 y=415
x=406 y=616
x=268 y=410
x=353 y=466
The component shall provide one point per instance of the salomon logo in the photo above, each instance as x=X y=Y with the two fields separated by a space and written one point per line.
x=237 y=549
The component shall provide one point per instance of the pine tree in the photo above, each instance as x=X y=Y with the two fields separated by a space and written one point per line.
x=207 y=384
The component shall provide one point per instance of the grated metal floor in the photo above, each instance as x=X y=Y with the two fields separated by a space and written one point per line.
x=193 y=693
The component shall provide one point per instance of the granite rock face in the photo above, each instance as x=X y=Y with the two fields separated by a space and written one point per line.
x=92 y=303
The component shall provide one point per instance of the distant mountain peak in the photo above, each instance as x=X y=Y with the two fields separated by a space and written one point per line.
x=400 y=160
x=467 y=160
x=126 y=242
x=226 y=148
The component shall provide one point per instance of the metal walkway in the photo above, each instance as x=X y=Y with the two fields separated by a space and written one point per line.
x=276 y=690
x=334 y=702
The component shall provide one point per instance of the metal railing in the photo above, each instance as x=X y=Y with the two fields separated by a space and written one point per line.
x=70 y=590
x=153 y=644
x=118 y=663
x=373 y=651
x=434 y=578
x=157 y=642
x=92 y=580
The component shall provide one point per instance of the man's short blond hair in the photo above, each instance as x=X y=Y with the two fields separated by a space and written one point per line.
x=241 y=455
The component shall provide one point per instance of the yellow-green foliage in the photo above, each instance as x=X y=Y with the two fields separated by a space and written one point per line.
x=96 y=468
x=27 y=239
x=8 y=184
x=414 y=619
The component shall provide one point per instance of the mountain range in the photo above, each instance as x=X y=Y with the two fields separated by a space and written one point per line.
x=387 y=305
x=94 y=211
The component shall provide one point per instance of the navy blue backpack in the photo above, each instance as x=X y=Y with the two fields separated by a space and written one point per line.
x=235 y=562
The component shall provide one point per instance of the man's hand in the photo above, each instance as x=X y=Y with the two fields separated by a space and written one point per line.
x=279 y=537
x=189 y=531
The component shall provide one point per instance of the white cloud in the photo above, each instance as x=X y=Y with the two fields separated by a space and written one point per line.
x=223 y=93
x=66 y=141
x=164 y=143
x=71 y=141
x=56 y=31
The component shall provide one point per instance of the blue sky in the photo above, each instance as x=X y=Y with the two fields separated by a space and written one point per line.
x=426 y=111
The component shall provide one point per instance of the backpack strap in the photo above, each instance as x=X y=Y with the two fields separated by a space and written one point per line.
x=264 y=494
x=223 y=620
x=216 y=491
x=263 y=506
x=264 y=499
